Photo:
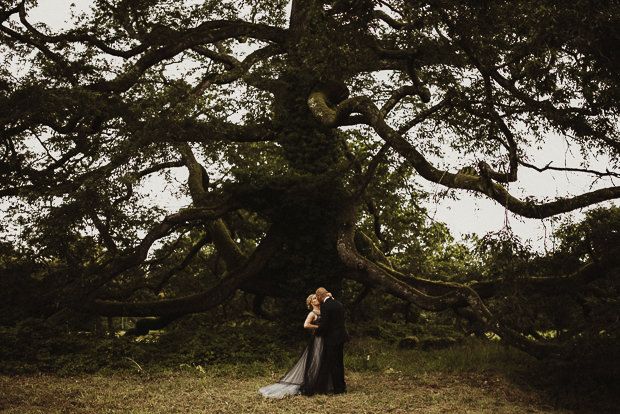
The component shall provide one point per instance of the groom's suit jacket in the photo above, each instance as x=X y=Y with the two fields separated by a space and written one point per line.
x=332 y=326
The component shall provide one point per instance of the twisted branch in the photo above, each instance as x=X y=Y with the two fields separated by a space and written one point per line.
x=372 y=116
x=199 y=302
x=454 y=296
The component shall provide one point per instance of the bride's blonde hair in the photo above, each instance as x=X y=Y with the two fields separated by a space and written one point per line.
x=309 y=301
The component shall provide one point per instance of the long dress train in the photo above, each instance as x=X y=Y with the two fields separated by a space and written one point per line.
x=302 y=377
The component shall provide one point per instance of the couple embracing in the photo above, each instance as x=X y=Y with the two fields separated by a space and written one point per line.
x=320 y=369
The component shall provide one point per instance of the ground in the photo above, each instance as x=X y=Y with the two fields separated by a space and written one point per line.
x=201 y=392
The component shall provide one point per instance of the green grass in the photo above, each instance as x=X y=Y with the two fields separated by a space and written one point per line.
x=472 y=355
x=184 y=391
x=220 y=368
x=473 y=377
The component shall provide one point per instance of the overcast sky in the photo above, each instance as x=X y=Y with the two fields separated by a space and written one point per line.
x=469 y=214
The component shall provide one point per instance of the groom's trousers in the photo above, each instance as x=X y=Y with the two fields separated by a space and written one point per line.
x=333 y=369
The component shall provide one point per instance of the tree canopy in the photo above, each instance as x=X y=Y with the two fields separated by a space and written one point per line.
x=300 y=131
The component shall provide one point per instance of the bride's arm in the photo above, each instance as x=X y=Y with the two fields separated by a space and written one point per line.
x=308 y=322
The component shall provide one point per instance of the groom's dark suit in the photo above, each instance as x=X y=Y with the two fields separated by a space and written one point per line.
x=334 y=332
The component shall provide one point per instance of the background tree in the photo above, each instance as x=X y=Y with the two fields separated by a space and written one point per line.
x=302 y=129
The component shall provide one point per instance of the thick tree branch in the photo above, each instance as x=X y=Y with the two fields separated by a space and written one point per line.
x=457 y=296
x=159 y=167
x=548 y=286
x=426 y=113
x=5 y=14
x=237 y=69
x=329 y=117
x=186 y=261
x=225 y=245
x=220 y=235
x=401 y=93
x=75 y=36
x=196 y=178
x=556 y=285
x=137 y=255
x=209 y=32
x=83 y=298
x=104 y=231
x=510 y=145
x=370 y=171
x=392 y=22
x=199 y=302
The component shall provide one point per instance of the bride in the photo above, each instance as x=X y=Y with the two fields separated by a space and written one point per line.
x=302 y=378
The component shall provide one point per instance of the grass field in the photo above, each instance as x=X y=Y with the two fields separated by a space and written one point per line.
x=201 y=392
x=474 y=376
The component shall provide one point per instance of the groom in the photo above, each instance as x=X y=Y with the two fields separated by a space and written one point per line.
x=332 y=329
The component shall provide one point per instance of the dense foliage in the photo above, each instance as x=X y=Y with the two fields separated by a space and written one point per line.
x=157 y=157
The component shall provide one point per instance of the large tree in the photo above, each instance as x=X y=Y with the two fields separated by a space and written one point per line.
x=294 y=124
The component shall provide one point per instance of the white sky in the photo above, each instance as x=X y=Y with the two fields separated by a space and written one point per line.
x=469 y=214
